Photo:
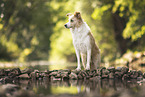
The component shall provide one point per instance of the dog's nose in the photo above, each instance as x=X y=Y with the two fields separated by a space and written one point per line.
x=65 y=25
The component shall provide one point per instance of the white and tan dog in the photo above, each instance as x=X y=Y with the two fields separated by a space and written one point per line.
x=83 y=42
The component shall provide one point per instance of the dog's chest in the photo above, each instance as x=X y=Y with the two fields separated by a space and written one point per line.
x=80 y=41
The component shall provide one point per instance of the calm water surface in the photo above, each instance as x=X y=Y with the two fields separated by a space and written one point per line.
x=101 y=88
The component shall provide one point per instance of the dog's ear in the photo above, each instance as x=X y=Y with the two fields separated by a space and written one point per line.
x=69 y=14
x=78 y=15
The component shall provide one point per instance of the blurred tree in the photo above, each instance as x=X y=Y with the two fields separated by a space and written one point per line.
x=26 y=26
x=128 y=22
x=120 y=17
x=61 y=40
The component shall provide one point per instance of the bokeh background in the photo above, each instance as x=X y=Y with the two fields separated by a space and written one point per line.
x=34 y=29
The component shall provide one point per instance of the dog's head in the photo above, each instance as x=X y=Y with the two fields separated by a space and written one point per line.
x=74 y=20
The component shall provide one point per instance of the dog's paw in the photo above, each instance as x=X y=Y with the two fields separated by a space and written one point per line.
x=87 y=68
x=78 y=69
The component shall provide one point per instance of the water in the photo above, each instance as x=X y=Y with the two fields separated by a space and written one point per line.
x=97 y=88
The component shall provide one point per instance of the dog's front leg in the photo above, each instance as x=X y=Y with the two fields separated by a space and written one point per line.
x=78 y=59
x=88 y=59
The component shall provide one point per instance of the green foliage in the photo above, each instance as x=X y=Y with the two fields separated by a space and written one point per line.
x=133 y=11
x=133 y=28
x=61 y=40
x=34 y=29
x=99 y=12
x=25 y=29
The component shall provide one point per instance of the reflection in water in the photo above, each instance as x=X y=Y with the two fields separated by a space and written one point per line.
x=98 y=87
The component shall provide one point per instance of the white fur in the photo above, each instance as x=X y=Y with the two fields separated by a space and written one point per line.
x=81 y=42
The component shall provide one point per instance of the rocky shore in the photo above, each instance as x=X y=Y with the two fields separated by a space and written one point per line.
x=112 y=82
x=122 y=73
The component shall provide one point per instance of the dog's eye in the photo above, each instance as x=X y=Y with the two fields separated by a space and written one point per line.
x=72 y=20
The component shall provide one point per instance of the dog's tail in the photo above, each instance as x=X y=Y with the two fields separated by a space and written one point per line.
x=96 y=61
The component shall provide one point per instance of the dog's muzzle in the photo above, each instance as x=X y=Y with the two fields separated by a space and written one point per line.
x=65 y=26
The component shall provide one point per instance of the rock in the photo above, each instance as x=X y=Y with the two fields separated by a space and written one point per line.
x=7 y=71
x=11 y=75
x=73 y=76
x=118 y=69
x=139 y=78
x=6 y=80
x=58 y=76
x=111 y=69
x=33 y=76
x=14 y=72
x=133 y=74
x=80 y=77
x=93 y=73
x=118 y=75
x=143 y=75
x=104 y=76
x=28 y=71
x=67 y=70
x=2 y=72
x=104 y=72
x=125 y=77
x=102 y=69
x=124 y=70
x=65 y=75
x=43 y=74
x=82 y=74
x=38 y=75
x=36 y=71
x=96 y=74
x=53 y=73
x=24 y=76
x=86 y=73
x=140 y=73
x=47 y=72
x=132 y=71
x=76 y=72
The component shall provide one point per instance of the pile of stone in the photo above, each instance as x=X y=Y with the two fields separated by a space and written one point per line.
x=123 y=73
